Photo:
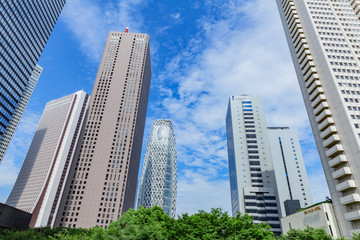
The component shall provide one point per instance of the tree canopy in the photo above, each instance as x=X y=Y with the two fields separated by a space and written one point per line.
x=154 y=223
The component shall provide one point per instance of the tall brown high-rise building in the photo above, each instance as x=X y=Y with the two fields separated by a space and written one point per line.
x=103 y=177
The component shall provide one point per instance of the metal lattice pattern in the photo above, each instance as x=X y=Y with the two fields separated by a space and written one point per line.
x=158 y=178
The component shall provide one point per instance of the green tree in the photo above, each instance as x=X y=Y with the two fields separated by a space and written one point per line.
x=219 y=225
x=144 y=223
x=307 y=234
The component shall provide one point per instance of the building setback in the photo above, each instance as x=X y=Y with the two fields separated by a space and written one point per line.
x=26 y=27
x=103 y=177
x=324 y=44
x=289 y=167
x=252 y=178
x=45 y=169
x=158 y=178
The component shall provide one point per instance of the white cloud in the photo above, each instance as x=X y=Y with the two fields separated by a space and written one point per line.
x=90 y=22
x=240 y=49
x=196 y=192
x=175 y=16
x=231 y=59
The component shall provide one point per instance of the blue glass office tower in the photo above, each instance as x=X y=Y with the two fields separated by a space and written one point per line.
x=25 y=28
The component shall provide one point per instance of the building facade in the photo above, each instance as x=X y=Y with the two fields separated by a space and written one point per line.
x=26 y=27
x=252 y=178
x=19 y=110
x=289 y=167
x=41 y=180
x=103 y=177
x=320 y=215
x=158 y=178
x=323 y=38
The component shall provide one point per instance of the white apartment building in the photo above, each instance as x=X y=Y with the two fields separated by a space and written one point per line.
x=41 y=180
x=324 y=41
x=252 y=178
x=289 y=167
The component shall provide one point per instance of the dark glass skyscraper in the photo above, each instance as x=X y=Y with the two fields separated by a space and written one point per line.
x=25 y=28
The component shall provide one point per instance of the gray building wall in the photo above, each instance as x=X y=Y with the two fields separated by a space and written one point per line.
x=289 y=167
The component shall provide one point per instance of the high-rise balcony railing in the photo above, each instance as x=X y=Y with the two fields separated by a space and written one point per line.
x=341 y=172
x=331 y=141
x=337 y=161
x=345 y=185
x=336 y=149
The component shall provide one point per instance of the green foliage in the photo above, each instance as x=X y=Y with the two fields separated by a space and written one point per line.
x=356 y=236
x=307 y=234
x=218 y=225
x=55 y=233
x=144 y=223
x=153 y=223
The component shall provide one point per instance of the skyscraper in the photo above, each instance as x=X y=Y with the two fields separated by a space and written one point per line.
x=252 y=178
x=323 y=38
x=289 y=167
x=41 y=179
x=103 y=177
x=158 y=178
x=19 y=110
x=25 y=29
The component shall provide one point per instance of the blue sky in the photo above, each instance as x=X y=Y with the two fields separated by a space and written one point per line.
x=202 y=52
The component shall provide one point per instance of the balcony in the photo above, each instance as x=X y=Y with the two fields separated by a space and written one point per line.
x=326 y=123
x=305 y=58
x=322 y=115
x=341 y=172
x=316 y=101
x=352 y=216
x=317 y=91
x=311 y=85
x=336 y=149
x=345 y=185
x=350 y=199
x=330 y=130
x=322 y=106
x=338 y=160
x=331 y=140
x=303 y=45
x=308 y=64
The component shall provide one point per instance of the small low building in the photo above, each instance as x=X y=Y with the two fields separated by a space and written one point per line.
x=13 y=218
x=316 y=216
